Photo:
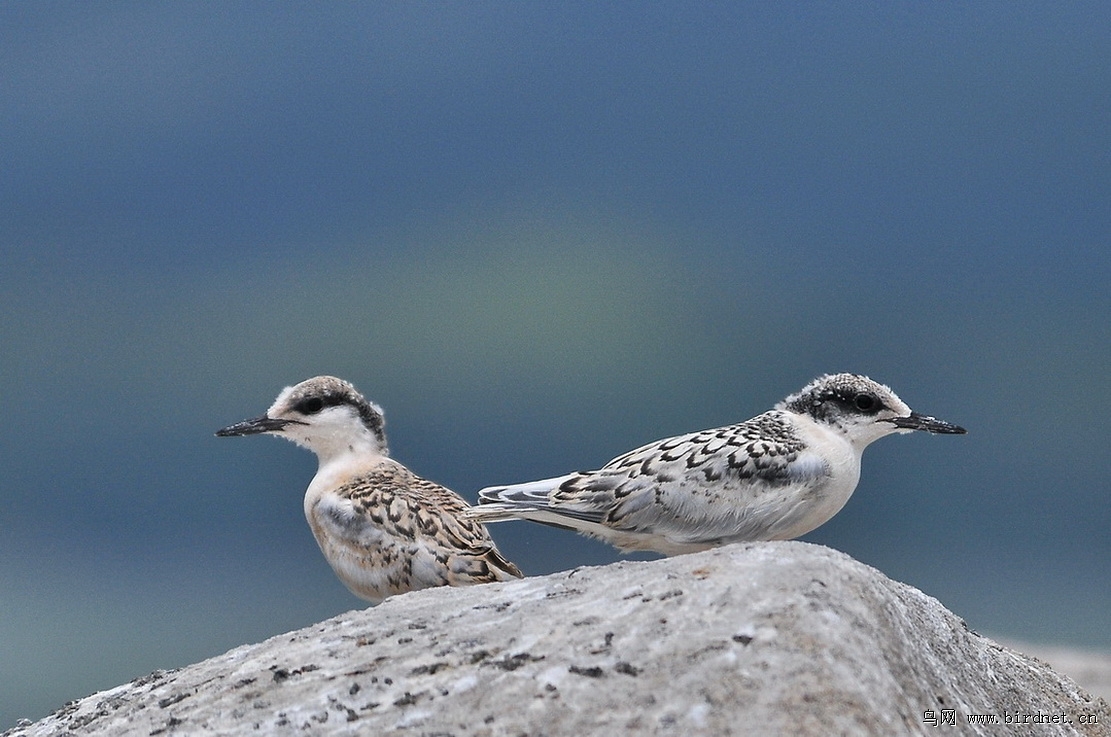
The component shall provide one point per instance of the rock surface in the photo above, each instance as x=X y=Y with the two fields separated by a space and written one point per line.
x=1090 y=669
x=759 y=638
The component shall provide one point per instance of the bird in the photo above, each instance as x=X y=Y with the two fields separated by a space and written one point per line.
x=776 y=476
x=383 y=529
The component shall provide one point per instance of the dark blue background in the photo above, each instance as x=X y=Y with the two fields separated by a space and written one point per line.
x=539 y=235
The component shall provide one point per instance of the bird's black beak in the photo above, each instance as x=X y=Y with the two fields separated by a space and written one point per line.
x=255 y=426
x=916 y=421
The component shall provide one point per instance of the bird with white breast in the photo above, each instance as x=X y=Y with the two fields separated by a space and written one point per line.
x=776 y=476
x=383 y=529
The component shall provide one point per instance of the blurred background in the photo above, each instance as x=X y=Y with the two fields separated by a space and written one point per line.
x=539 y=234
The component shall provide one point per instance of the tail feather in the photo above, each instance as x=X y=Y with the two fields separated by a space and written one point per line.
x=502 y=503
x=489 y=513
x=532 y=501
x=532 y=494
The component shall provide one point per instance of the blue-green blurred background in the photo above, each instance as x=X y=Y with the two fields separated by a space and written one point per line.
x=539 y=234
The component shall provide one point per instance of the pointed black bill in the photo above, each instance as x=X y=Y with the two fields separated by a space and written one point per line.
x=916 y=421
x=255 y=426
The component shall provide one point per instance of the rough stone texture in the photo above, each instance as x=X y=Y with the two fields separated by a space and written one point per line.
x=761 y=638
x=1092 y=670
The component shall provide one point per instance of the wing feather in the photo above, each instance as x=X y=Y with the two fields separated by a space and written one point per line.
x=392 y=502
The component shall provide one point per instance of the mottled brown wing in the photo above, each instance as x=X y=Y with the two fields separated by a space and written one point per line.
x=410 y=506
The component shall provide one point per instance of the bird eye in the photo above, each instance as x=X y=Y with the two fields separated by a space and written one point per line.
x=865 y=402
x=310 y=406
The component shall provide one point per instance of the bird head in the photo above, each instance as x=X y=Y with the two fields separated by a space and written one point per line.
x=864 y=410
x=324 y=414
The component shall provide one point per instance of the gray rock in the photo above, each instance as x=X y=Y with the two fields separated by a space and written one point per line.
x=759 y=638
x=1089 y=668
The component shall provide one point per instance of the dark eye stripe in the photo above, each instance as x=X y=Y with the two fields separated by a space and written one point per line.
x=309 y=406
x=314 y=404
x=865 y=402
